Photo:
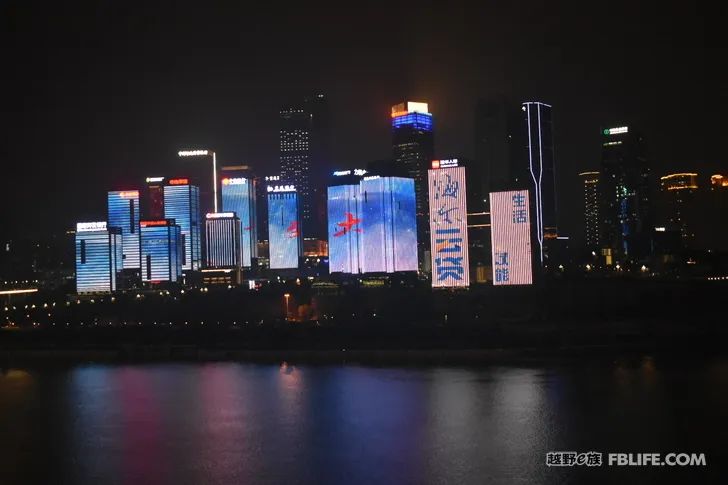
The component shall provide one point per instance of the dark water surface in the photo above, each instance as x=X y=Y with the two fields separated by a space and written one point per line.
x=239 y=423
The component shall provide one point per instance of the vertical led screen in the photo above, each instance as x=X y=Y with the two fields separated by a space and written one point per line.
x=182 y=203
x=448 y=227
x=160 y=251
x=388 y=225
x=511 y=238
x=98 y=257
x=238 y=196
x=284 y=231
x=123 y=213
x=344 y=229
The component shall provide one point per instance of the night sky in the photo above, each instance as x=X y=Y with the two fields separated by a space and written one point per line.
x=101 y=95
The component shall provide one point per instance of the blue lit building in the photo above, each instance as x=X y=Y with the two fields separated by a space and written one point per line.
x=238 y=196
x=98 y=257
x=182 y=203
x=222 y=240
x=123 y=213
x=285 y=240
x=161 y=251
x=344 y=228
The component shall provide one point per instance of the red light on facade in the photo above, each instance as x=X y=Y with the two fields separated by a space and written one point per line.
x=225 y=181
x=179 y=182
x=129 y=194
x=153 y=223
x=436 y=164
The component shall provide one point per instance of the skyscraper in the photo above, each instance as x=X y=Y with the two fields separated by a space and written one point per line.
x=678 y=194
x=222 y=240
x=182 y=203
x=304 y=157
x=285 y=243
x=590 y=180
x=541 y=173
x=161 y=251
x=98 y=257
x=239 y=196
x=123 y=213
x=625 y=200
x=154 y=199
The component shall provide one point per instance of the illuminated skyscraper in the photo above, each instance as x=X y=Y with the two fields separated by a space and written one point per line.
x=98 y=257
x=222 y=240
x=304 y=156
x=413 y=145
x=154 y=199
x=123 y=213
x=541 y=175
x=679 y=209
x=182 y=203
x=591 y=209
x=624 y=192
x=239 y=196
x=161 y=250
x=285 y=240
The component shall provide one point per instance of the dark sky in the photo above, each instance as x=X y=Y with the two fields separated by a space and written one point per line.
x=97 y=96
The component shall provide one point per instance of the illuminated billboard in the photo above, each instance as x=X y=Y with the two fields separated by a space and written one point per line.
x=284 y=232
x=388 y=225
x=510 y=237
x=123 y=212
x=98 y=257
x=238 y=195
x=448 y=225
x=344 y=229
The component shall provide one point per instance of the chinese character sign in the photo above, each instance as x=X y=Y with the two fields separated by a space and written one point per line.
x=448 y=227
x=511 y=238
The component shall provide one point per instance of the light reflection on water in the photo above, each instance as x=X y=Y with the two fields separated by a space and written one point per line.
x=229 y=423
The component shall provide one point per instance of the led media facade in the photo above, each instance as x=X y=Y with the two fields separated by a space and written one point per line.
x=182 y=203
x=511 y=238
x=98 y=257
x=284 y=232
x=222 y=240
x=448 y=226
x=388 y=225
x=123 y=213
x=344 y=229
x=238 y=196
x=161 y=251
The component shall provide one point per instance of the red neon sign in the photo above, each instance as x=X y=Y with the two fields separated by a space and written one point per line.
x=153 y=223
x=129 y=193
x=179 y=181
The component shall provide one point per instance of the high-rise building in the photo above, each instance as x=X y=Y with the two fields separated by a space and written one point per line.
x=679 y=210
x=161 y=251
x=590 y=180
x=413 y=145
x=239 y=196
x=541 y=174
x=222 y=240
x=123 y=213
x=154 y=199
x=285 y=241
x=98 y=257
x=304 y=157
x=182 y=203
x=624 y=211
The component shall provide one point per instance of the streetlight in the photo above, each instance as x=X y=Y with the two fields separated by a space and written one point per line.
x=287 y=296
x=204 y=153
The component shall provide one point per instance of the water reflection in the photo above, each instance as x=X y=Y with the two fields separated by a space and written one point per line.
x=230 y=423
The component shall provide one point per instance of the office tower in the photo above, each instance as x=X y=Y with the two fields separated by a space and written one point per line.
x=500 y=147
x=222 y=240
x=590 y=180
x=625 y=200
x=678 y=200
x=389 y=224
x=304 y=157
x=182 y=203
x=511 y=237
x=154 y=198
x=123 y=213
x=239 y=196
x=161 y=251
x=285 y=241
x=98 y=257
x=261 y=204
x=344 y=216
x=541 y=173
x=448 y=224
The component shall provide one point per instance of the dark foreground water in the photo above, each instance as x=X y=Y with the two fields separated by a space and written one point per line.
x=230 y=423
